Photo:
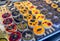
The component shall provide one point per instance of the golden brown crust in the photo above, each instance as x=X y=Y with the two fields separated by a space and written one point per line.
x=38 y=30
x=53 y=5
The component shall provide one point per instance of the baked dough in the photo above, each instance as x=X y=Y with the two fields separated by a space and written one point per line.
x=53 y=5
x=58 y=9
x=40 y=17
x=47 y=24
x=38 y=30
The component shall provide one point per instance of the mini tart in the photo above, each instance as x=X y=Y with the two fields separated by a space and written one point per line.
x=38 y=30
x=17 y=3
x=21 y=7
x=6 y=15
x=22 y=26
x=58 y=9
x=35 y=11
x=7 y=21
x=18 y=18
x=32 y=22
x=53 y=5
x=27 y=3
x=3 y=39
x=40 y=17
x=11 y=28
x=15 y=13
x=15 y=36
x=32 y=7
x=47 y=24
x=48 y=1
x=27 y=35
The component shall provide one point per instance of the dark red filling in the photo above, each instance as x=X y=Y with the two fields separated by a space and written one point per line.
x=36 y=12
x=7 y=21
x=32 y=6
x=15 y=36
x=49 y=24
x=42 y=16
x=6 y=15
x=10 y=27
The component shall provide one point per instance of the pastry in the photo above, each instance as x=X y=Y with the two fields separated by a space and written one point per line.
x=22 y=26
x=27 y=35
x=11 y=28
x=40 y=17
x=38 y=30
x=15 y=36
x=32 y=23
x=58 y=9
x=53 y=5
x=6 y=15
x=47 y=24
x=7 y=21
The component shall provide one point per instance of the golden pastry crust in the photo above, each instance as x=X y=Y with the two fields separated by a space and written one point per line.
x=53 y=5
x=38 y=30
x=58 y=9
x=24 y=4
x=48 y=1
